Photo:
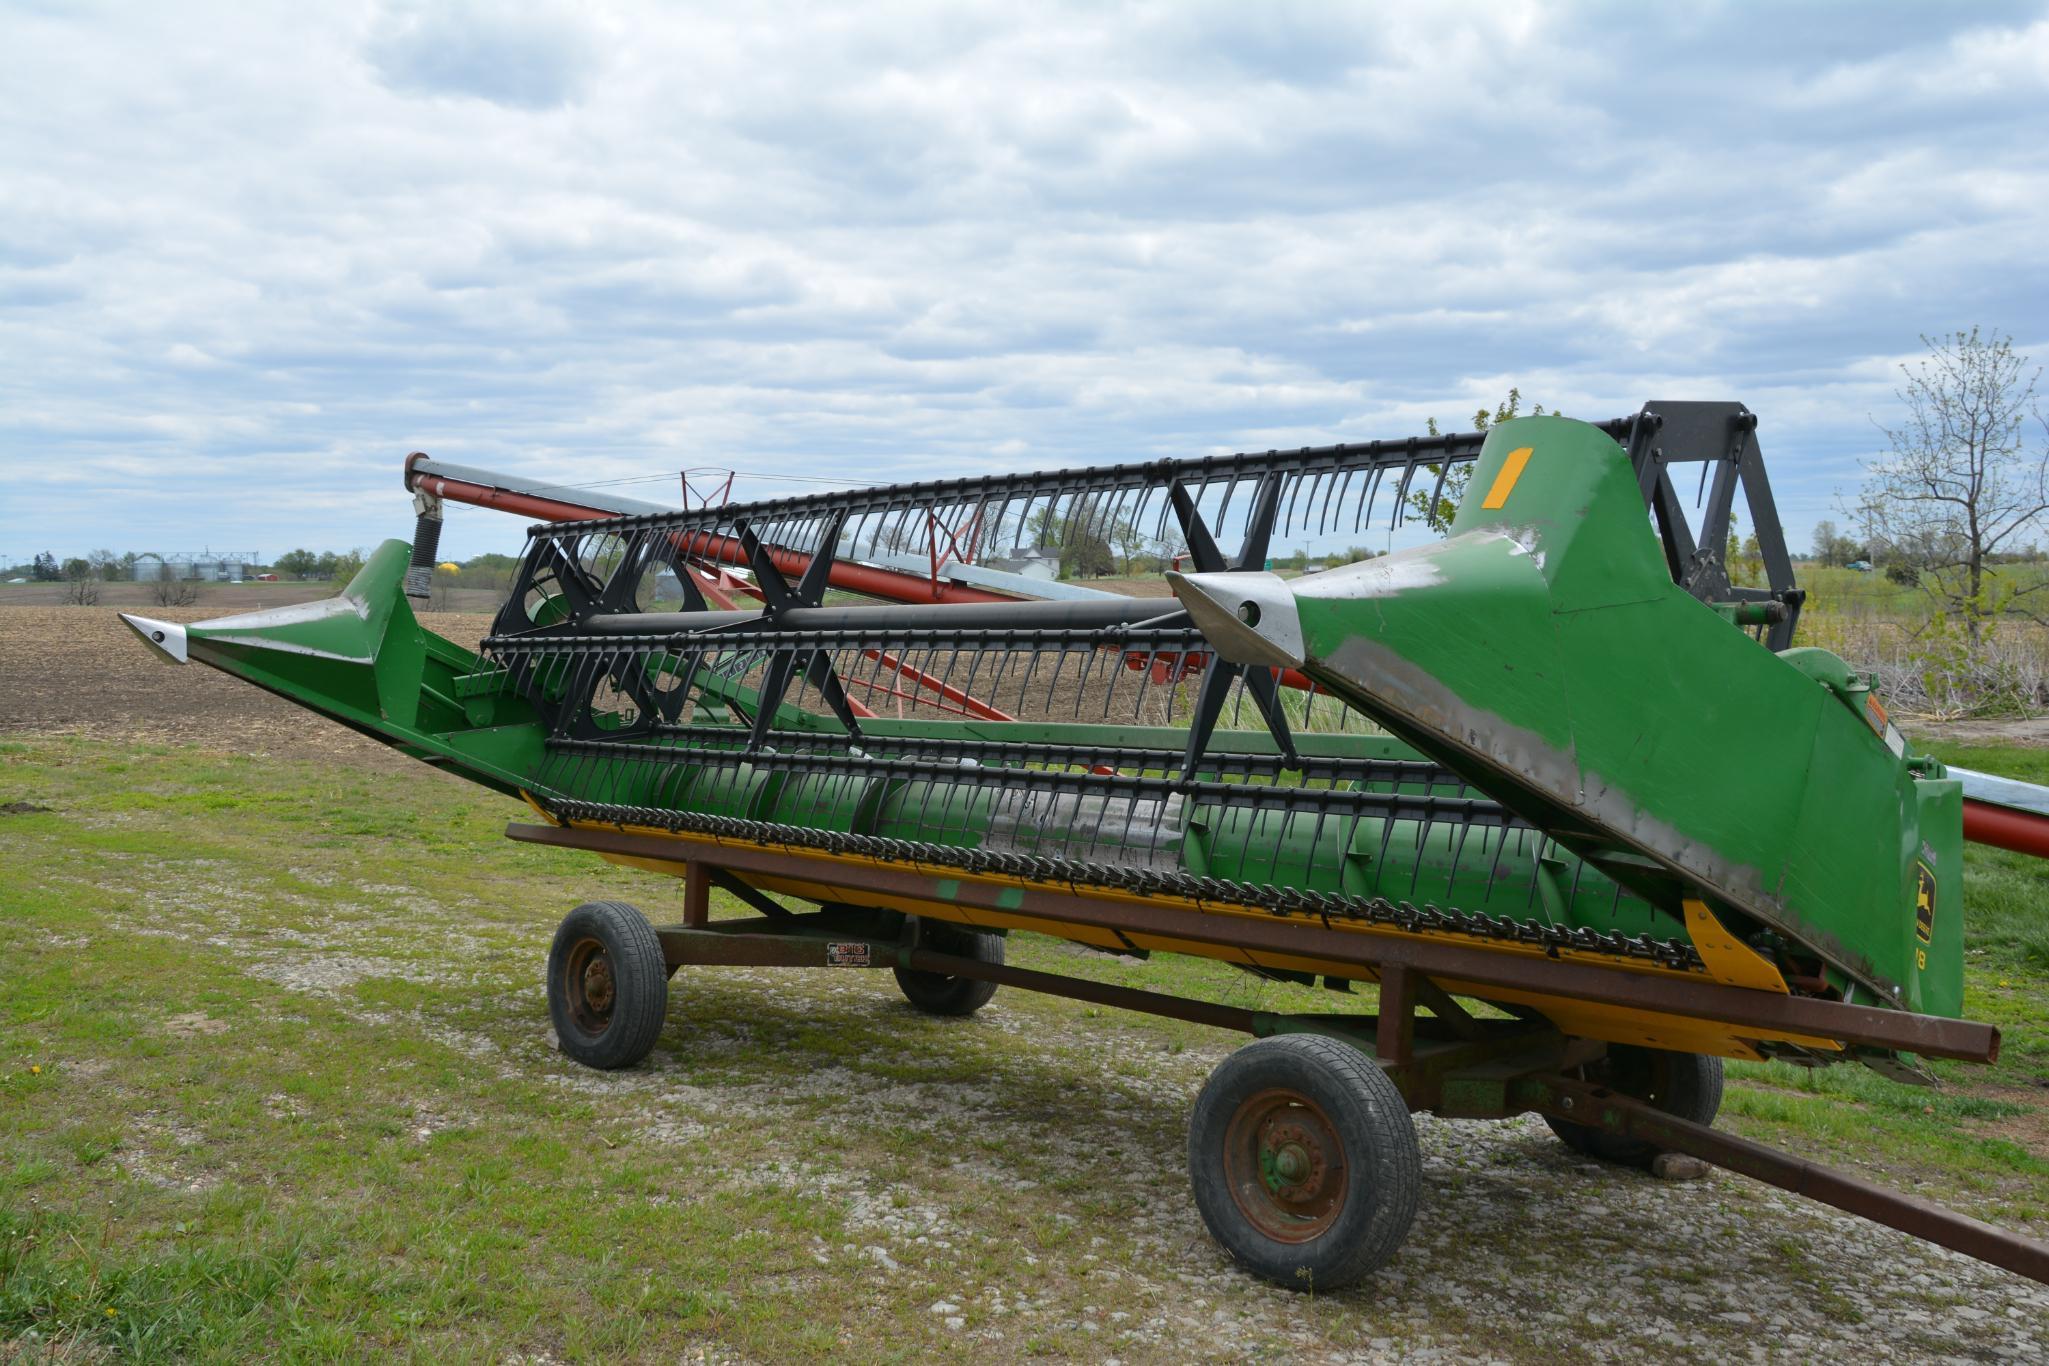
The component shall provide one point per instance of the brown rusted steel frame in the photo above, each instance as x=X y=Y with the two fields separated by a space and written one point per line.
x=765 y=943
x=723 y=496
x=1394 y=1036
x=760 y=944
x=683 y=947
x=1455 y=1017
x=876 y=690
x=696 y=896
x=1509 y=1048
x=1419 y=1072
x=1585 y=1103
x=1081 y=989
x=709 y=586
x=963 y=702
x=1926 y=1035
x=751 y=895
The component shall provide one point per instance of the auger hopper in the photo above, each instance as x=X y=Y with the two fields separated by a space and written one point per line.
x=1569 y=805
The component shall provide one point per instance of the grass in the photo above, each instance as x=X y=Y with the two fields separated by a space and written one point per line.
x=274 y=1081
x=195 y=1160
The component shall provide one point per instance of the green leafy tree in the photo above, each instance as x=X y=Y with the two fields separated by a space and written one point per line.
x=1832 y=549
x=298 y=564
x=1437 y=506
x=1130 y=543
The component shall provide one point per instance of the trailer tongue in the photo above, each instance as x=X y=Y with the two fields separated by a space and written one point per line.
x=1565 y=797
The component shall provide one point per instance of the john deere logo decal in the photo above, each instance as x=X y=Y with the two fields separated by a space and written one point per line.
x=1924 y=902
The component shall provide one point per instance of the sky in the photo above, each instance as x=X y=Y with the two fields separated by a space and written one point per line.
x=251 y=255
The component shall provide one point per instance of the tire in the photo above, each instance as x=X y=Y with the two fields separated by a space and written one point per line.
x=608 y=988
x=937 y=993
x=1684 y=1085
x=1322 y=1112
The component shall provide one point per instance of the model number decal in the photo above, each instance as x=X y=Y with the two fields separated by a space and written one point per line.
x=846 y=954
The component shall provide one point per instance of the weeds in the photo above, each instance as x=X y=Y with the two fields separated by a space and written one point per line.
x=1925 y=660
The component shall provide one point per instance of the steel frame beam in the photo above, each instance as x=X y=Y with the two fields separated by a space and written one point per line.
x=1581 y=1102
x=1869 y=1026
x=1426 y=1065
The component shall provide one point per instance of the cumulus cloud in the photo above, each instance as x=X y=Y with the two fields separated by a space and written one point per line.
x=246 y=249
x=523 y=54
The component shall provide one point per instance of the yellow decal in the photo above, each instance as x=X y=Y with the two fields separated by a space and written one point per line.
x=1504 y=482
x=1727 y=958
x=1874 y=713
x=1924 y=904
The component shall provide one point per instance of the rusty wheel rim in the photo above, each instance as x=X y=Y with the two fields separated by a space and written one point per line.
x=1285 y=1165
x=587 y=986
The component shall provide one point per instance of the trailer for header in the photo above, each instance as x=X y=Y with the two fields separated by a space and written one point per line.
x=1571 y=805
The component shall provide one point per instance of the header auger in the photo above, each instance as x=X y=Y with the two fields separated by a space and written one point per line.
x=1572 y=802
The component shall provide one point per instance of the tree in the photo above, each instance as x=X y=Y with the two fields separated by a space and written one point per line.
x=1130 y=542
x=1084 y=548
x=45 y=568
x=1437 y=512
x=169 y=590
x=1832 y=549
x=1960 y=479
x=82 y=583
x=297 y=564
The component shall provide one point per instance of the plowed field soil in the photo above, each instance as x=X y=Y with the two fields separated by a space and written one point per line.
x=81 y=671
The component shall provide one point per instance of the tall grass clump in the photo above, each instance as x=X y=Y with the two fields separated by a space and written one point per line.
x=1925 y=659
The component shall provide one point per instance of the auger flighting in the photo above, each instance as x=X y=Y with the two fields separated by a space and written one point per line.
x=1555 y=763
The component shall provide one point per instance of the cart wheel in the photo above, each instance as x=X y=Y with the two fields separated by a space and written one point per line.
x=937 y=993
x=608 y=988
x=1304 y=1161
x=1685 y=1085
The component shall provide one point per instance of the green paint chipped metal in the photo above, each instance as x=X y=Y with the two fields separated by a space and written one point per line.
x=1543 y=651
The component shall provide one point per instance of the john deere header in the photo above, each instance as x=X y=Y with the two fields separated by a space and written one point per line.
x=1555 y=762
x=1526 y=734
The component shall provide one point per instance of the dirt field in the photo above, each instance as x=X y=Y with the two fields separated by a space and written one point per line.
x=81 y=671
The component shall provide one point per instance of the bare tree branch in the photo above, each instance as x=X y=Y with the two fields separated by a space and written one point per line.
x=1960 y=480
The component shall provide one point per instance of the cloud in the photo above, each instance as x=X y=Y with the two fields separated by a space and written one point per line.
x=523 y=54
x=249 y=258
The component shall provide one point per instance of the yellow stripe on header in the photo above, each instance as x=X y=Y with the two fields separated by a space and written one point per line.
x=1504 y=482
